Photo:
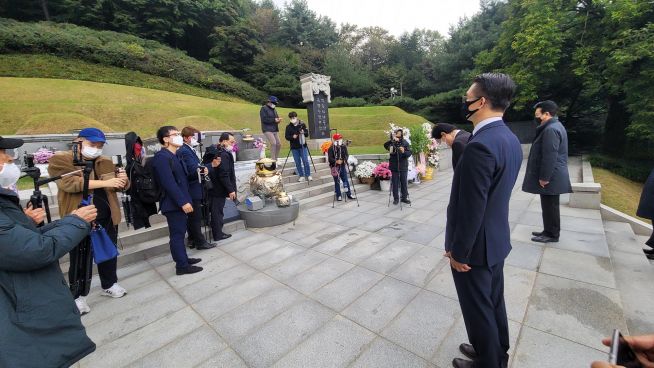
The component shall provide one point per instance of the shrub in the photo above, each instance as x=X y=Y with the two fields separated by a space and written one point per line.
x=348 y=102
x=635 y=170
x=121 y=50
x=405 y=103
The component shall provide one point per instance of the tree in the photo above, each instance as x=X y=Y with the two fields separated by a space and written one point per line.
x=300 y=26
x=276 y=72
x=235 y=47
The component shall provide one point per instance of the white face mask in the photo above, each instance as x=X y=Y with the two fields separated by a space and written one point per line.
x=9 y=175
x=177 y=141
x=339 y=142
x=272 y=105
x=294 y=121
x=194 y=142
x=91 y=152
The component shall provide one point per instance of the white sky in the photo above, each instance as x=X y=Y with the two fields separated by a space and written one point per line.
x=396 y=16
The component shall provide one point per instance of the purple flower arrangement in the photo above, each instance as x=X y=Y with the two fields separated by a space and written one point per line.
x=42 y=155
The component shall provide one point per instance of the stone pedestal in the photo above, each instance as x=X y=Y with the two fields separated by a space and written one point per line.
x=270 y=215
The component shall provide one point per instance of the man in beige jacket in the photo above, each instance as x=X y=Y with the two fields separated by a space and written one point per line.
x=104 y=183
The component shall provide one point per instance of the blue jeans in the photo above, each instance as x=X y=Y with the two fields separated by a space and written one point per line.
x=301 y=157
x=343 y=177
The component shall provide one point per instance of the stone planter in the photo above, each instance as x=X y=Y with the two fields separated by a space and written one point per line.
x=248 y=154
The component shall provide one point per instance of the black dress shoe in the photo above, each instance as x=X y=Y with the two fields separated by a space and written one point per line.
x=193 y=261
x=648 y=251
x=224 y=236
x=650 y=256
x=462 y=363
x=396 y=201
x=205 y=246
x=468 y=350
x=537 y=233
x=406 y=200
x=544 y=239
x=188 y=270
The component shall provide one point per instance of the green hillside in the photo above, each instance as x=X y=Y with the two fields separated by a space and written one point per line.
x=38 y=105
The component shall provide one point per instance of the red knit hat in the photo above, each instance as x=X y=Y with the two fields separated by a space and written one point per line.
x=337 y=136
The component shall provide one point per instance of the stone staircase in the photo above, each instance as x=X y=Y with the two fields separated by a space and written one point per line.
x=634 y=275
x=317 y=192
x=137 y=245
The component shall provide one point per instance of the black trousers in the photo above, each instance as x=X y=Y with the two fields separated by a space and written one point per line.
x=106 y=269
x=481 y=296
x=549 y=204
x=194 y=225
x=399 y=179
x=217 y=215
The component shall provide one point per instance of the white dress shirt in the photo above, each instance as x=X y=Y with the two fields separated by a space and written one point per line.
x=485 y=122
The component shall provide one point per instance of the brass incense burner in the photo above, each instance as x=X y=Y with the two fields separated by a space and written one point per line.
x=266 y=182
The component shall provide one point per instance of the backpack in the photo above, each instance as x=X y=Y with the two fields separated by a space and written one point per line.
x=144 y=182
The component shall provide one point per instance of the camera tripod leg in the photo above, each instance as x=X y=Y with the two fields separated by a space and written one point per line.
x=356 y=197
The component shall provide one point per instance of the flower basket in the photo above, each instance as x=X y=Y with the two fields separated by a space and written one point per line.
x=367 y=181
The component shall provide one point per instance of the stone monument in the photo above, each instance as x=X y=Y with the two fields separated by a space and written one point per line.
x=316 y=93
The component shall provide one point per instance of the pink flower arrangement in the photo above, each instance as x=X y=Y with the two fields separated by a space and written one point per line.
x=382 y=171
x=235 y=148
x=259 y=143
x=42 y=155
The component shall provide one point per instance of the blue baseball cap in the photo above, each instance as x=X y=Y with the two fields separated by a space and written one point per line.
x=92 y=134
x=273 y=99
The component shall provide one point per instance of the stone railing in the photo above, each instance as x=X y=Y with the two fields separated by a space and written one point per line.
x=586 y=193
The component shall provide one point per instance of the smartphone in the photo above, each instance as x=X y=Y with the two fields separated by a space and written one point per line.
x=621 y=353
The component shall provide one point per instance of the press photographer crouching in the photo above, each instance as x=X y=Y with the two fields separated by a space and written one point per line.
x=398 y=163
x=105 y=181
x=39 y=324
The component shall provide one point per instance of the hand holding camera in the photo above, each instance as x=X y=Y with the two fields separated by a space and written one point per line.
x=86 y=213
x=216 y=162
x=36 y=214
x=116 y=183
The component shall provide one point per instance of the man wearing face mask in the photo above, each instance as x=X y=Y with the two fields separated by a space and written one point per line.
x=337 y=156
x=477 y=233
x=547 y=169
x=296 y=134
x=189 y=158
x=398 y=163
x=223 y=178
x=39 y=325
x=270 y=125
x=176 y=203
x=104 y=185
x=453 y=137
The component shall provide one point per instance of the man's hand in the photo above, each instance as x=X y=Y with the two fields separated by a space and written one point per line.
x=36 y=214
x=599 y=364
x=277 y=120
x=187 y=208
x=294 y=136
x=643 y=346
x=543 y=183
x=339 y=162
x=460 y=267
x=121 y=174
x=232 y=196
x=204 y=171
x=86 y=213
x=401 y=149
x=116 y=183
x=216 y=162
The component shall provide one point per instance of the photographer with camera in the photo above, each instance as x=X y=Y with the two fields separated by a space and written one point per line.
x=337 y=156
x=398 y=163
x=196 y=173
x=105 y=183
x=39 y=325
x=296 y=134
x=223 y=177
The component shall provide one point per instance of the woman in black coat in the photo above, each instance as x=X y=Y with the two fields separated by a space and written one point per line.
x=646 y=210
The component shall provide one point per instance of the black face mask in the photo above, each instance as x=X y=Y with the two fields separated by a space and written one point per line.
x=538 y=121
x=465 y=105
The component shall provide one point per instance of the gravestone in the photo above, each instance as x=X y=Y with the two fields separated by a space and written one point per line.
x=316 y=93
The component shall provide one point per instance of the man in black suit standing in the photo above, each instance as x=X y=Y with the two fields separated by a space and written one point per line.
x=453 y=137
x=223 y=177
x=477 y=235
x=547 y=169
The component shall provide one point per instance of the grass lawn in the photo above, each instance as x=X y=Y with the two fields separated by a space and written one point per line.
x=619 y=193
x=40 y=105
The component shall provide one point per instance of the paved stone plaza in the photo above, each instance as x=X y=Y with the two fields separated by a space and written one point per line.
x=360 y=286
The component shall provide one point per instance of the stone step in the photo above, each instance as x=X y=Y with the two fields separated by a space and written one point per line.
x=295 y=186
x=633 y=275
x=151 y=248
x=293 y=178
x=327 y=197
x=290 y=169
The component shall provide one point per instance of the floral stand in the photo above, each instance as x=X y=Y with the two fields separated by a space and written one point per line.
x=429 y=174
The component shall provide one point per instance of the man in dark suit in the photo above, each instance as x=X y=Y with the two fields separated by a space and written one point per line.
x=223 y=177
x=547 y=169
x=398 y=163
x=194 y=169
x=457 y=139
x=176 y=202
x=477 y=232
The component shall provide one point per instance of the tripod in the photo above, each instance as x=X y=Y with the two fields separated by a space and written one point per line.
x=125 y=198
x=338 y=178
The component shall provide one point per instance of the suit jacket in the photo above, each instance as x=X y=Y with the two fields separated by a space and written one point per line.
x=548 y=160
x=477 y=231
x=459 y=144
x=191 y=163
x=173 y=182
x=223 y=177
x=646 y=204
